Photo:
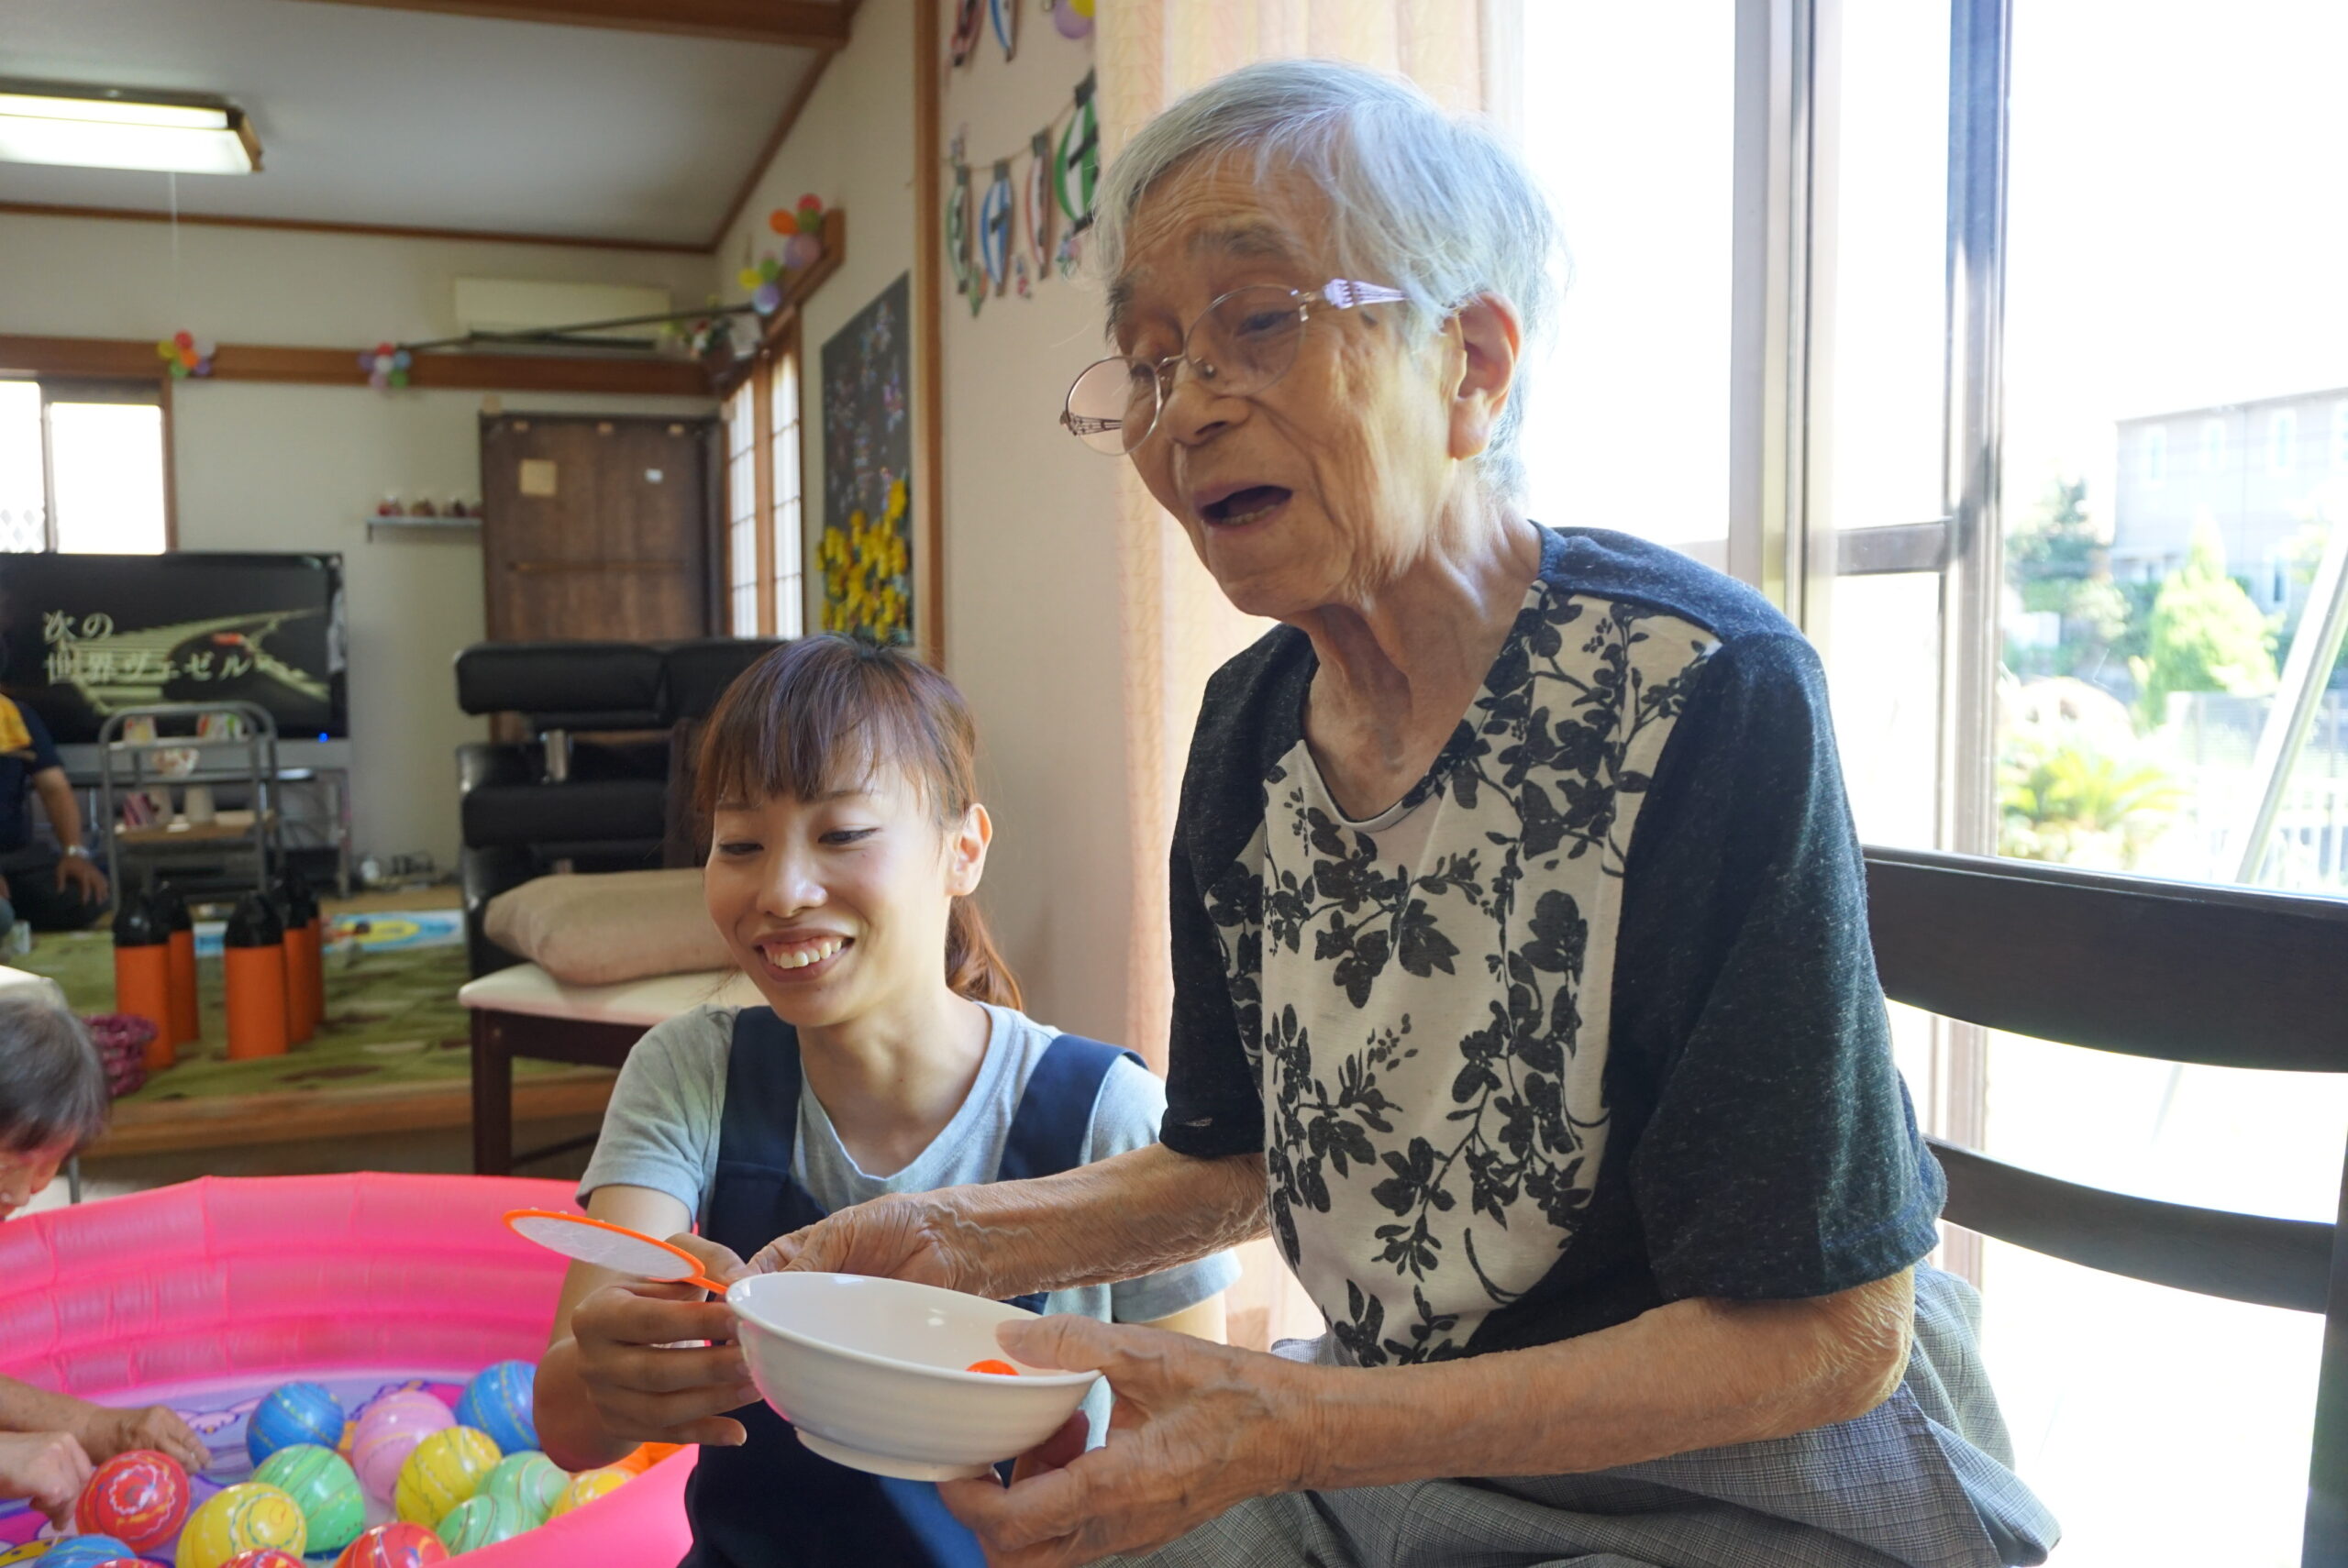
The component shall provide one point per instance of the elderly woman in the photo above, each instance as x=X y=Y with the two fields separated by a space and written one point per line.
x=1523 y=987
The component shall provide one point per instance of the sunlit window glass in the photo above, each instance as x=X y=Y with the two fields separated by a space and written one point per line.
x=106 y=471
x=1627 y=121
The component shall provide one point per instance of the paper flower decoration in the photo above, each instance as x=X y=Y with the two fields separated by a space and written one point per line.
x=386 y=365
x=184 y=354
x=867 y=568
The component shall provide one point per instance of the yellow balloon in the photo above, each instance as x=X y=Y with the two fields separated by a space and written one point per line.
x=242 y=1518
x=1081 y=7
x=446 y=1468
x=749 y=278
x=588 y=1485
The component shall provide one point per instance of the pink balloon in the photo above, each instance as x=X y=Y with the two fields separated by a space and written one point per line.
x=1071 y=26
x=802 y=250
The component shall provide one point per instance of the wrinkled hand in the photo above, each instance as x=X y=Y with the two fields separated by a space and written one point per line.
x=49 y=1469
x=82 y=875
x=919 y=1236
x=106 y=1431
x=650 y=1380
x=1197 y=1427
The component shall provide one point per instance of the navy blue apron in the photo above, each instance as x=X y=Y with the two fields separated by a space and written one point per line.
x=771 y=1503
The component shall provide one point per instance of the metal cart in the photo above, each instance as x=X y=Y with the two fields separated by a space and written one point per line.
x=238 y=847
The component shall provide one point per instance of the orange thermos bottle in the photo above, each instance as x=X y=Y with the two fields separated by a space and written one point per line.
x=300 y=913
x=253 y=954
x=142 y=974
x=306 y=972
x=171 y=908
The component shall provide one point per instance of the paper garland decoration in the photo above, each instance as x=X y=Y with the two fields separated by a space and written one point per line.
x=966 y=30
x=1063 y=170
x=184 y=355
x=1039 y=226
x=1078 y=149
x=995 y=226
x=957 y=230
x=1004 y=16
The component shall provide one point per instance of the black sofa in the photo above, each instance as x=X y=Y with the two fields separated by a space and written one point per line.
x=591 y=789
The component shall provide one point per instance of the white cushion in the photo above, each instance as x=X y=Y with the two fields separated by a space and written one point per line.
x=528 y=988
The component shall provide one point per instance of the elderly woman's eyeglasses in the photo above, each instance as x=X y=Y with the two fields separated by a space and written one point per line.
x=1242 y=343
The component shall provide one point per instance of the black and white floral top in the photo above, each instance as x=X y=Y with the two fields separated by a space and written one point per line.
x=1585 y=1022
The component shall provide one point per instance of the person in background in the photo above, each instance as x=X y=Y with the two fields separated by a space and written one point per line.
x=53 y=1101
x=48 y=891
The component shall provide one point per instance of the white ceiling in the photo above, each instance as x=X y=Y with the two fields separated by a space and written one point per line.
x=411 y=119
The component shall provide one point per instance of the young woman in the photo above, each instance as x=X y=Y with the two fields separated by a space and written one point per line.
x=52 y=1101
x=845 y=843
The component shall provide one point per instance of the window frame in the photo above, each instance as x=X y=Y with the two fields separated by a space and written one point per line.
x=755 y=374
x=82 y=388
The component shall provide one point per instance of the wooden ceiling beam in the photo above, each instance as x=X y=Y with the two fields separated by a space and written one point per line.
x=799 y=24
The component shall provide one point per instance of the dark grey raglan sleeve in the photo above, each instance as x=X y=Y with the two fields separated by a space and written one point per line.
x=1780 y=1156
x=1250 y=716
x=1214 y=1104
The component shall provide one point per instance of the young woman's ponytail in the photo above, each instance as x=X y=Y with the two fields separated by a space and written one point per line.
x=973 y=967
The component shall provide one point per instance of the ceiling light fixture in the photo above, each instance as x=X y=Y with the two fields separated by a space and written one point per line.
x=106 y=128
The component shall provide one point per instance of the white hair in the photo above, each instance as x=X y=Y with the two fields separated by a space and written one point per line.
x=1420 y=200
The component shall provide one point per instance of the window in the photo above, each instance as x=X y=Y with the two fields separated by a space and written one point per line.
x=783 y=519
x=2131 y=744
x=763 y=571
x=82 y=467
x=2157 y=455
x=741 y=512
x=2340 y=435
x=1626 y=425
x=2283 y=441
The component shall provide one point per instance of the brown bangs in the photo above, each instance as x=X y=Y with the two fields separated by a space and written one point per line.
x=816 y=717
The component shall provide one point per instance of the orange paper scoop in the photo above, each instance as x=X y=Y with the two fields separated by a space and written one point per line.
x=606 y=1245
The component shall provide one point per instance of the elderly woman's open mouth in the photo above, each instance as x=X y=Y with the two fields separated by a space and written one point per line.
x=1231 y=506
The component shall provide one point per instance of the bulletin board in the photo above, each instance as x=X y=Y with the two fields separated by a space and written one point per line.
x=865 y=552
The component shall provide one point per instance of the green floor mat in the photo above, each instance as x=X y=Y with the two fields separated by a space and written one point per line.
x=391 y=1019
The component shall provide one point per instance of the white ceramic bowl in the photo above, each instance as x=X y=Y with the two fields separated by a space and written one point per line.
x=870 y=1372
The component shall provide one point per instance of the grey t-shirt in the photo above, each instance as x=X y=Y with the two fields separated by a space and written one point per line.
x=661 y=1131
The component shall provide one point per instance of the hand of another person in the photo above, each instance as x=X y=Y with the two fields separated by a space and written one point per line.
x=920 y=1236
x=83 y=875
x=47 y=1469
x=660 y=1362
x=1197 y=1427
x=106 y=1431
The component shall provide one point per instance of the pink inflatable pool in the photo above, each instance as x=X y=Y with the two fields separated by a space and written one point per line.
x=206 y=1295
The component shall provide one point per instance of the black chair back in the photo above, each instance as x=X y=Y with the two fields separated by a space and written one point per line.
x=2220 y=976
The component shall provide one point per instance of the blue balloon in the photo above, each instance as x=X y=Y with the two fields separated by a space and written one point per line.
x=292 y=1413
x=84 y=1552
x=497 y=1401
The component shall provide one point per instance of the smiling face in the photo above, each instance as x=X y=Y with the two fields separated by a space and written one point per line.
x=1326 y=484
x=24 y=1173
x=837 y=906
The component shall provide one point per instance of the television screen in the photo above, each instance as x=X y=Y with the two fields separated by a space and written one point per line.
x=88 y=636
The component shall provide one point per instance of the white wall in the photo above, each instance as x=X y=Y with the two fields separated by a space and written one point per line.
x=1031 y=561
x=268 y=467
